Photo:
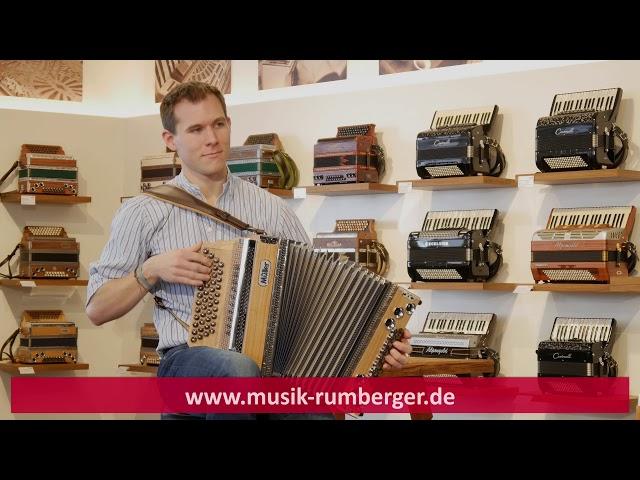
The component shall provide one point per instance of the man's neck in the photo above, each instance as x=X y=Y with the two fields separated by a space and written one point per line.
x=210 y=186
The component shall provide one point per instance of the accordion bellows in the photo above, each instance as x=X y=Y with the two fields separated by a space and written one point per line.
x=296 y=312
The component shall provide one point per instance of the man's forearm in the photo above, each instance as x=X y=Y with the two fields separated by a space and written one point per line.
x=114 y=299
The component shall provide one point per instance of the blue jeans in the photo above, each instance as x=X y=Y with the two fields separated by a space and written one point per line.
x=182 y=361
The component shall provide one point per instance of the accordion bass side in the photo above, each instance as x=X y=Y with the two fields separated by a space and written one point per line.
x=578 y=347
x=454 y=246
x=46 y=337
x=297 y=312
x=454 y=335
x=158 y=169
x=584 y=245
x=47 y=252
x=148 y=344
x=580 y=132
x=47 y=169
x=457 y=144
x=357 y=241
x=353 y=156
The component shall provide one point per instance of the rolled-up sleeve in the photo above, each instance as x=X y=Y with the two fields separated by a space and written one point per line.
x=127 y=247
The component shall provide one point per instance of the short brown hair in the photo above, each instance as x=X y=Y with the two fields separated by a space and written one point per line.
x=194 y=92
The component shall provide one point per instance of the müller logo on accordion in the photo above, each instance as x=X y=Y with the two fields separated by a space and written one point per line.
x=315 y=316
x=578 y=347
x=580 y=133
x=454 y=246
x=457 y=144
x=46 y=252
x=158 y=169
x=584 y=245
x=46 y=169
x=356 y=240
x=46 y=337
x=454 y=335
x=353 y=156
x=263 y=161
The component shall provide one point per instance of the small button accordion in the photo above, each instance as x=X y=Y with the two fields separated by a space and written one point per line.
x=47 y=337
x=457 y=145
x=148 y=345
x=47 y=252
x=158 y=169
x=47 y=169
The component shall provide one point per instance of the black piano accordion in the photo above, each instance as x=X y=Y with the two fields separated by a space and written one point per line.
x=47 y=337
x=586 y=245
x=578 y=347
x=455 y=335
x=457 y=144
x=352 y=156
x=148 y=344
x=263 y=161
x=296 y=312
x=454 y=246
x=357 y=240
x=580 y=132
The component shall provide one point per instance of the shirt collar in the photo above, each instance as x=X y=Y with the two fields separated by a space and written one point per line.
x=182 y=182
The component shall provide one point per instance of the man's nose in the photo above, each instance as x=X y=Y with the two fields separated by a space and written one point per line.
x=211 y=135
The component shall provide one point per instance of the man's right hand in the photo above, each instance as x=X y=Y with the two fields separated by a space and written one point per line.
x=185 y=265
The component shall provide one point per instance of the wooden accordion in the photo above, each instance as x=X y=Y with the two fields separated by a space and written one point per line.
x=148 y=345
x=47 y=169
x=296 y=312
x=47 y=252
x=158 y=169
x=47 y=337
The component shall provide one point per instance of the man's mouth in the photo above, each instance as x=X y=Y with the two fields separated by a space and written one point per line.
x=212 y=154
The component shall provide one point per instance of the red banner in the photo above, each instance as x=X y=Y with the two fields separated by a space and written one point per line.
x=314 y=395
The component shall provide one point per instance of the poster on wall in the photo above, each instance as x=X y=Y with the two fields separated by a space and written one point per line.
x=49 y=79
x=170 y=73
x=398 y=66
x=290 y=73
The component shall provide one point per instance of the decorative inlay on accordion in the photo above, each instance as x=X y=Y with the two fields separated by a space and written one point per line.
x=580 y=132
x=46 y=337
x=584 y=245
x=148 y=345
x=46 y=169
x=457 y=144
x=263 y=161
x=158 y=169
x=578 y=347
x=47 y=252
x=357 y=240
x=454 y=335
x=297 y=312
x=454 y=246
x=352 y=156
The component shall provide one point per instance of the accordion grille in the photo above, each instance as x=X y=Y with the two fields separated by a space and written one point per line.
x=439 y=274
x=447 y=171
x=556 y=163
x=569 y=275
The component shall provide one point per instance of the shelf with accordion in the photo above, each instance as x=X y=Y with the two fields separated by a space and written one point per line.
x=453 y=343
x=453 y=251
x=46 y=175
x=47 y=257
x=351 y=163
x=586 y=250
x=47 y=342
x=149 y=359
x=579 y=142
x=458 y=153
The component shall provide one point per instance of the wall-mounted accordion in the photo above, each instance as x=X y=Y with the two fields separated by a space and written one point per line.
x=454 y=246
x=263 y=161
x=148 y=345
x=455 y=335
x=578 y=347
x=357 y=240
x=47 y=252
x=457 y=144
x=47 y=169
x=352 y=156
x=584 y=245
x=296 y=312
x=47 y=337
x=158 y=169
x=580 y=132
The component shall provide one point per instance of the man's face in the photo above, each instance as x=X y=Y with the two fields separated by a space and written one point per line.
x=202 y=138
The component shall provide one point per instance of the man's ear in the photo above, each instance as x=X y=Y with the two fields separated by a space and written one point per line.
x=229 y=121
x=167 y=136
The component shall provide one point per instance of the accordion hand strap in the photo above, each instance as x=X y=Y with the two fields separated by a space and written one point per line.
x=13 y=167
x=6 y=260
x=618 y=157
x=493 y=267
x=180 y=198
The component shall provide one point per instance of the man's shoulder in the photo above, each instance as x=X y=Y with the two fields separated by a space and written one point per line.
x=142 y=205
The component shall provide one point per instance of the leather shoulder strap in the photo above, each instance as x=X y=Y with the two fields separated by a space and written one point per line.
x=183 y=199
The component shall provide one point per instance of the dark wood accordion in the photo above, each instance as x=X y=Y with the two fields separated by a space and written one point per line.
x=47 y=252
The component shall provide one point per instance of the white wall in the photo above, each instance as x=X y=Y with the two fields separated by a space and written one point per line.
x=111 y=148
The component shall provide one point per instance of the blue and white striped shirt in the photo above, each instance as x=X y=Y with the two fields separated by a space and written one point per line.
x=144 y=226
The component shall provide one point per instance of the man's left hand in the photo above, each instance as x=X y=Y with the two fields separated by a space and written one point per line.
x=399 y=354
